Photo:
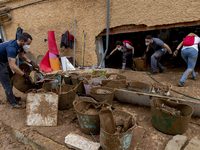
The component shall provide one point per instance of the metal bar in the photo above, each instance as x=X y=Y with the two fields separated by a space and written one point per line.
x=27 y=4
x=84 y=49
x=107 y=32
x=74 y=42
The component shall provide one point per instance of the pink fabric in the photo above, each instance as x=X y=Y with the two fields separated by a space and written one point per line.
x=52 y=55
x=52 y=43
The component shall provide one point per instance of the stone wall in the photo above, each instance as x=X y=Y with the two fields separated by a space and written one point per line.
x=59 y=16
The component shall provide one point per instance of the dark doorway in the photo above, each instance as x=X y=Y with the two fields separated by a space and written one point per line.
x=171 y=36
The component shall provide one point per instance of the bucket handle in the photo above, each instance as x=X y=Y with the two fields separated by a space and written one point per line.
x=75 y=102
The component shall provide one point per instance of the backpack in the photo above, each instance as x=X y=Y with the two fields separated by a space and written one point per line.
x=188 y=41
x=124 y=42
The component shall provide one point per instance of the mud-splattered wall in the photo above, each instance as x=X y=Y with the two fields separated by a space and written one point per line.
x=59 y=16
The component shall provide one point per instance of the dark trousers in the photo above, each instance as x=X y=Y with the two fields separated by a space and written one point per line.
x=125 y=55
x=5 y=79
x=155 y=62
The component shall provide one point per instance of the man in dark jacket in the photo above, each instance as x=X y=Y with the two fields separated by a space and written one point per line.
x=8 y=52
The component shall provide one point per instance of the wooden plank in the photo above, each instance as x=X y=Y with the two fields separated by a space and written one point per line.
x=143 y=99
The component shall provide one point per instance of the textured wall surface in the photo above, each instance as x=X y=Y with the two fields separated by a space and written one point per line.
x=59 y=16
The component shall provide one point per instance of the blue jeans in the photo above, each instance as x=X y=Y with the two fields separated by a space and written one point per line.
x=190 y=56
x=5 y=79
x=156 y=61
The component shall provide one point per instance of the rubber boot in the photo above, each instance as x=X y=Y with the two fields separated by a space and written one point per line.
x=123 y=67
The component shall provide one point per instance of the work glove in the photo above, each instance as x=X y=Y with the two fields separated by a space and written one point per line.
x=35 y=66
x=133 y=56
x=175 y=53
x=107 y=57
x=28 y=78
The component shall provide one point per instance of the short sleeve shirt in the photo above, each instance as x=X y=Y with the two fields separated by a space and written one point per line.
x=195 y=46
x=9 y=49
x=157 y=44
x=125 y=48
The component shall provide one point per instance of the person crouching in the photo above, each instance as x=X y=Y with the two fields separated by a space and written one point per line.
x=126 y=48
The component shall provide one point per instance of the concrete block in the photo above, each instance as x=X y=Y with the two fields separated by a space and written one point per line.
x=176 y=143
x=78 y=142
x=194 y=144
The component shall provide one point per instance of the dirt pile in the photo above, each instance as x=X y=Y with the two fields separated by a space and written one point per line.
x=169 y=110
x=122 y=124
x=8 y=142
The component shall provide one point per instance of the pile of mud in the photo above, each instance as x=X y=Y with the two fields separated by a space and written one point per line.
x=122 y=124
x=169 y=110
x=8 y=142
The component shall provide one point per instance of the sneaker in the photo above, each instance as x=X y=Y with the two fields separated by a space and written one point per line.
x=122 y=71
x=194 y=78
x=181 y=84
x=161 y=70
x=153 y=72
x=17 y=105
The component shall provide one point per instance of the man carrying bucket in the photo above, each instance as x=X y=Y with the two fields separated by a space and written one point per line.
x=8 y=52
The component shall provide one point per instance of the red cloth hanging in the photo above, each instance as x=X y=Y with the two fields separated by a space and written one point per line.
x=52 y=43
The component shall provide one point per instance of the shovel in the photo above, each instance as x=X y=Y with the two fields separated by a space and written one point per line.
x=107 y=121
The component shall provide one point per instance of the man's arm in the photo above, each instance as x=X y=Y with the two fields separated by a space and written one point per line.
x=168 y=48
x=14 y=67
x=179 y=46
x=24 y=57
x=113 y=51
x=147 y=49
x=132 y=48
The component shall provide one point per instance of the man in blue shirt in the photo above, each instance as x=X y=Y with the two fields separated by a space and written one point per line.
x=160 y=49
x=8 y=52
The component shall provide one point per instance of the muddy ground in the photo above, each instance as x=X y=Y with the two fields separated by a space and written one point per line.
x=8 y=142
x=145 y=136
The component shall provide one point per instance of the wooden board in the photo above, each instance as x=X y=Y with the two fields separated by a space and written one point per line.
x=144 y=98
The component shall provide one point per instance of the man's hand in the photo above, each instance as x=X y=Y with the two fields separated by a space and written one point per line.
x=175 y=53
x=133 y=56
x=28 y=78
x=144 y=56
x=107 y=57
x=34 y=65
